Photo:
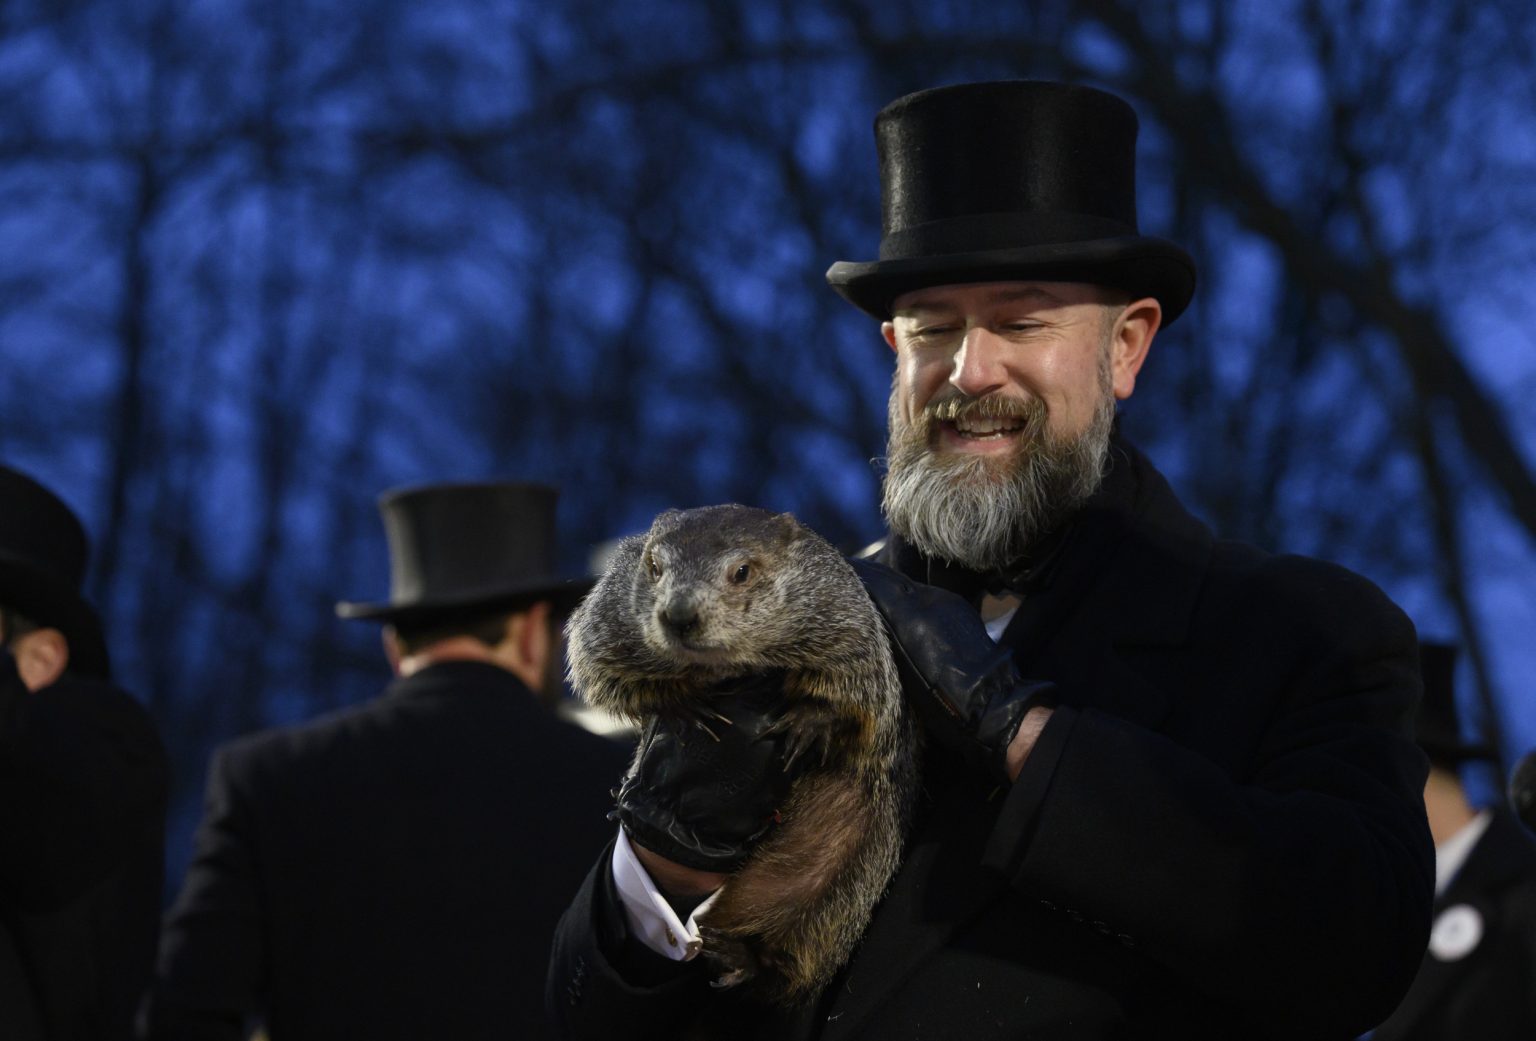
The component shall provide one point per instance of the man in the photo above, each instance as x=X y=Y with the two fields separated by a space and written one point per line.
x=1176 y=797
x=83 y=780
x=1478 y=977
x=395 y=869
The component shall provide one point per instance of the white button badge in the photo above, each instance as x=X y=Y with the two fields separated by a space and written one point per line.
x=1456 y=932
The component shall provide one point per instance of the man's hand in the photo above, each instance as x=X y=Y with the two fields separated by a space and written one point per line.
x=963 y=686
x=677 y=880
x=703 y=792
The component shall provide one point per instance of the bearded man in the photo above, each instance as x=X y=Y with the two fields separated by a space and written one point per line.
x=1168 y=787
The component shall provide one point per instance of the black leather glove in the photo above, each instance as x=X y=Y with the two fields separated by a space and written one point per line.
x=964 y=687
x=703 y=791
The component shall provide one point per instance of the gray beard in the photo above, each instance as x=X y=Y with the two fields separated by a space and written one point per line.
x=984 y=512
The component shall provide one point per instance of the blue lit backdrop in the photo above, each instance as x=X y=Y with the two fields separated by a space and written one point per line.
x=264 y=260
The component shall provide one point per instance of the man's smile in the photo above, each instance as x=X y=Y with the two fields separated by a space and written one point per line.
x=978 y=430
x=982 y=427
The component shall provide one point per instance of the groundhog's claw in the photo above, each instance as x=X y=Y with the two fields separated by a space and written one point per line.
x=798 y=742
x=729 y=979
x=735 y=957
x=699 y=716
x=811 y=731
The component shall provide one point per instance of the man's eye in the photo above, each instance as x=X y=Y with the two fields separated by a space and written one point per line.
x=933 y=332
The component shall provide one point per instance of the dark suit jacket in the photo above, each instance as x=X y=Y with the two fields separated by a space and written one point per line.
x=1220 y=832
x=83 y=781
x=394 y=870
x=1488 y=990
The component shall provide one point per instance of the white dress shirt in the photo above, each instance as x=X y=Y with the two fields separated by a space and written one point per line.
x=1453 y=852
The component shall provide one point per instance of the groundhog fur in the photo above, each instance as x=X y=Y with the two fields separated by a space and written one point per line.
x=749 y=591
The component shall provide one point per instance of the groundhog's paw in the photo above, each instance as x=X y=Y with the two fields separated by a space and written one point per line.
x=735 y=957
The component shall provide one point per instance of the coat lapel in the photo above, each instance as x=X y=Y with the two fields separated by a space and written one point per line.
x=1134 y=576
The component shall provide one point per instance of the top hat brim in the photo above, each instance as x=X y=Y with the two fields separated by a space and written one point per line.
x=1454 y=751
x=563 y=595
x=49 y=603
x=1139 y=264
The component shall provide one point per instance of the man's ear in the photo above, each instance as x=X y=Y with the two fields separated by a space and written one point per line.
x=528 y=644
x=41 y=656
x=1130 y=340
x=392 y=650
x=533 y=635
x=888 y=330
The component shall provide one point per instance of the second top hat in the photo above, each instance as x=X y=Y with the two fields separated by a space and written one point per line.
x=460 y=547
x=1013 y=180
x=43 y=553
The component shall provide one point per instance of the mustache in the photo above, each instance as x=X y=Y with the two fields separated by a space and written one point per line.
x=956 y=405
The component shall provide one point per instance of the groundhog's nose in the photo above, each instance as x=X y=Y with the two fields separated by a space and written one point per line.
x=680 y=616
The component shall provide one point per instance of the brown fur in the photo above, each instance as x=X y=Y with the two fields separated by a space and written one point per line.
x=792 y=914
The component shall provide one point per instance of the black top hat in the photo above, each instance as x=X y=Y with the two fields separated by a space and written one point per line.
x=1436 y=727
x=460 y=547
x=43 y=553
x=1017 y=180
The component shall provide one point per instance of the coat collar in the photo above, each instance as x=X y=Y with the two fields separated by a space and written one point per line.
x=1128 y=575
x=457 y=676
x=1152 y=577
x=1133 y=540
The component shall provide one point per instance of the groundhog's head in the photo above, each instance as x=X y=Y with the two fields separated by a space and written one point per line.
x=718 y=581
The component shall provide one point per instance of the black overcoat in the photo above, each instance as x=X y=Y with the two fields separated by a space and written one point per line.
x=1479 y=981
x=83 y=783
x=1220 y=832
x=392 y=871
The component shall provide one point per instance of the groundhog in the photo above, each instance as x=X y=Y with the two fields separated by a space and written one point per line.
x=732 y=591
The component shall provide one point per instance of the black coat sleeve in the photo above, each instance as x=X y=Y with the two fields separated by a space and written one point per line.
x=604 y=984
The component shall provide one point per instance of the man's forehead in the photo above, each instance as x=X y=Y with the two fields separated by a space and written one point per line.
x=1040 y=293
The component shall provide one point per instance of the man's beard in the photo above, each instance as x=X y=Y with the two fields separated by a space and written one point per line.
x=984 y=511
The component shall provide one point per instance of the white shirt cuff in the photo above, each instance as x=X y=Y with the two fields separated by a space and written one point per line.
x=651 y=919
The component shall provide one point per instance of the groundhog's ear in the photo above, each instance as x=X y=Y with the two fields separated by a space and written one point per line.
x=788 y=525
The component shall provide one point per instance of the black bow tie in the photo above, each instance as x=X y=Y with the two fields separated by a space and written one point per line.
x=1027 y=575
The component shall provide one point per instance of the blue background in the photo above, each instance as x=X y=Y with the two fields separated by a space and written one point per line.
x=263 y=261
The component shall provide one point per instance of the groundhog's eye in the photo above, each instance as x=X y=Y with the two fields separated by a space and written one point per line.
x=741 y=574
x=654 y=568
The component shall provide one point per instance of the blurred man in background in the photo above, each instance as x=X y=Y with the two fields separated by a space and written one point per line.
x=395 y=870
x=1478 y=977
x=83 y=783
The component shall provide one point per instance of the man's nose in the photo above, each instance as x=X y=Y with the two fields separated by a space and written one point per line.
x=978 y=367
